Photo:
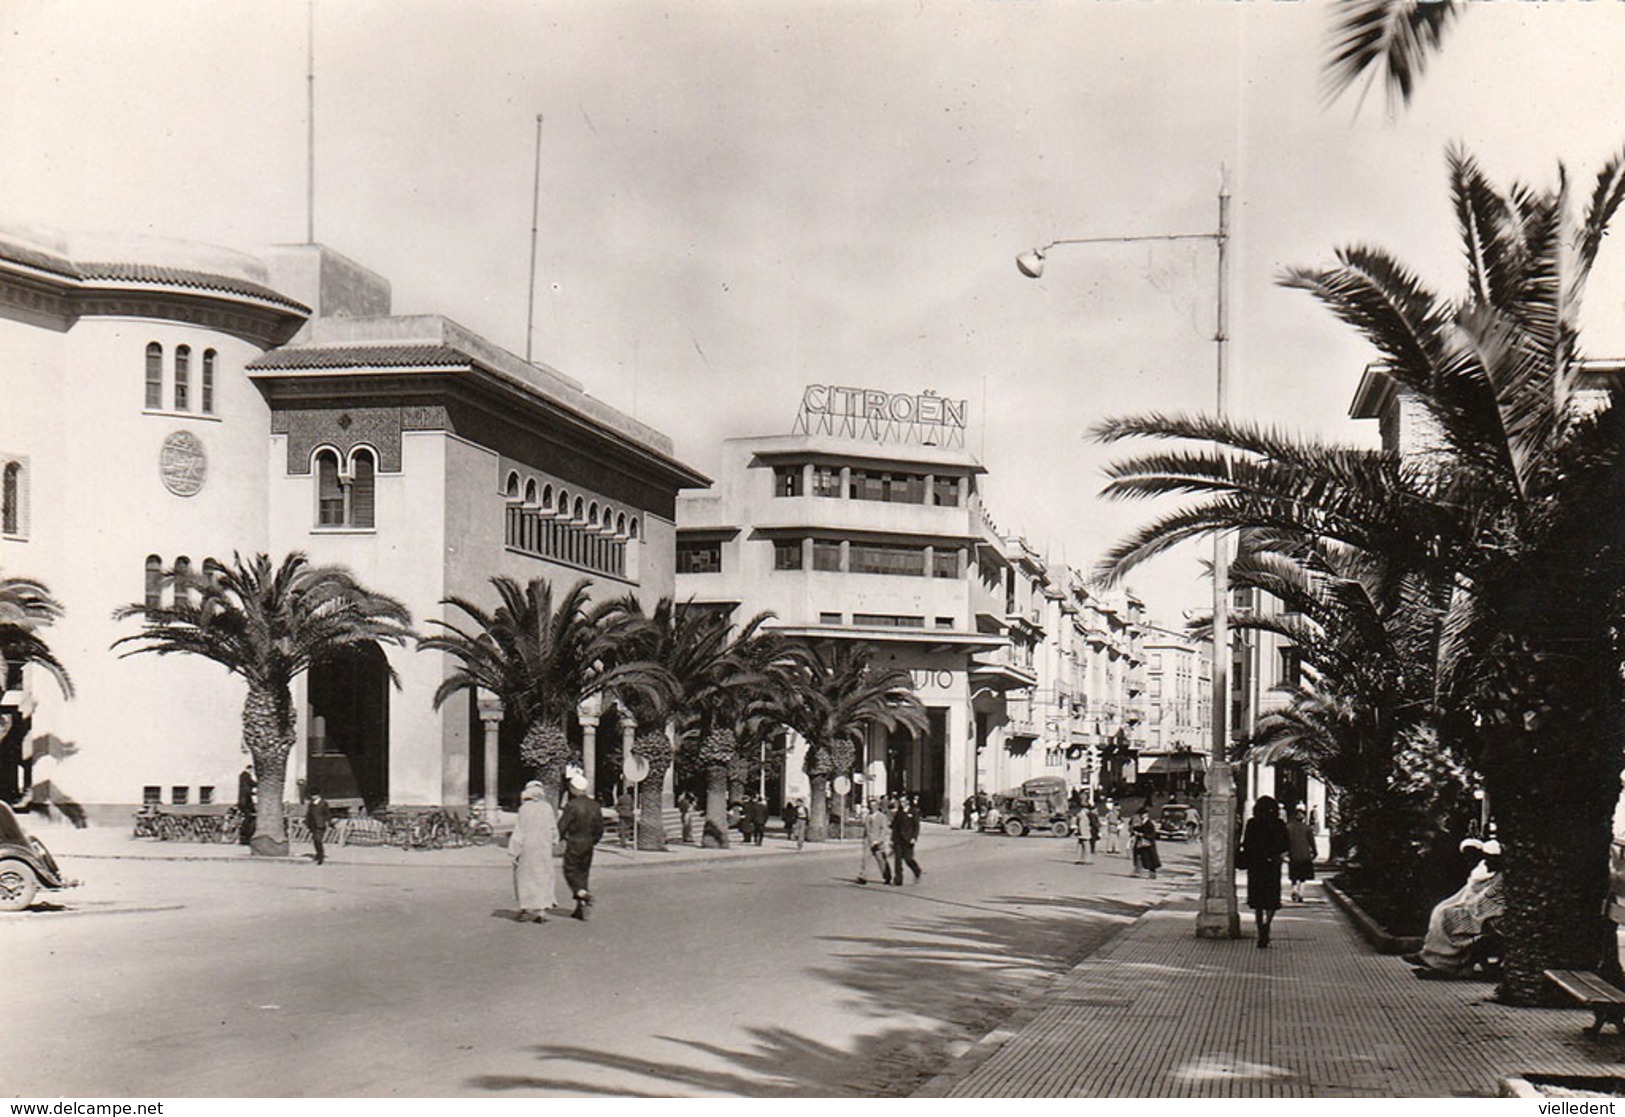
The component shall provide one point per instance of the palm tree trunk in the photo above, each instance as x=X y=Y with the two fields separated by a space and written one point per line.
x=818 y=824
x=545 y=751
x=1554 y=799
x=268 y=733
x=716 y=807
x=654 y=746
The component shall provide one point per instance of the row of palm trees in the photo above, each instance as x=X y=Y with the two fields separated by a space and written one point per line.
x=700 y=690
x=1460 y=608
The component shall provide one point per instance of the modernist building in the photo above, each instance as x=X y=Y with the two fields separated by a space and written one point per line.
x=1179 y=709
x=866 y=524
x=171 y=404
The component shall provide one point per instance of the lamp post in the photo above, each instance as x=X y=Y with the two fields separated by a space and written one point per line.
x=1218 y=916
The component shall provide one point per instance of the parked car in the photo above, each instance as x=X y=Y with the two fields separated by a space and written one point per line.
x=26 y=865
x=1177 y=822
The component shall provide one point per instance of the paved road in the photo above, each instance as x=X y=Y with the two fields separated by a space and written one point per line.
x=759 y=977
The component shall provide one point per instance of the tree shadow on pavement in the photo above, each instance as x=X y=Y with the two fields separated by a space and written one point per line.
x=939 y=979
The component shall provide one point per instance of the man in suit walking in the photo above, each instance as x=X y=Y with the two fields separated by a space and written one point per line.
x=905 y=831
x=317 y=815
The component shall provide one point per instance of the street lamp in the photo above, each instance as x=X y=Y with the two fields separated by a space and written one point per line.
x=1218 y=916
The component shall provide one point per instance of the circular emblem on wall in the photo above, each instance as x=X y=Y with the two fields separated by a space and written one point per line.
x=182 y=464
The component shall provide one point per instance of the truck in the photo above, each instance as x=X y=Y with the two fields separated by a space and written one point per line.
x=1038 y=804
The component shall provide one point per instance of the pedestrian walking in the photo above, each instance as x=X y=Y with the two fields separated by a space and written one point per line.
x=626 y=817
x=1300 y=853
x=798 y=821
x=756 y=812
x=685 y=812
x=967 y=812
x=1091 y=818
x=581 y=824
x=1080 y=827
x=246 y=806
x=531 y=849
x=905 y=831
x=1263 y=844
x=876 y=843
x=317 y=815
x=1143 y=846
x=1114 y=823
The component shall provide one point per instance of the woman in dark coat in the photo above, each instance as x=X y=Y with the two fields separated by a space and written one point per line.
x=1263 y=844
x=1144 y=839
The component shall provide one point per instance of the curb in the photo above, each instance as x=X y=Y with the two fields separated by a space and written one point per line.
x=1373 y=932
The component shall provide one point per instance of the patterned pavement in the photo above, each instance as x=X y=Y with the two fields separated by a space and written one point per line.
x=1162 y=1013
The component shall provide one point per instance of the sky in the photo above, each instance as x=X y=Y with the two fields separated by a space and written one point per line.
x=736 y=199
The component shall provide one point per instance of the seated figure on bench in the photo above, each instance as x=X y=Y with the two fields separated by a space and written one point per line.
x=1461 y=930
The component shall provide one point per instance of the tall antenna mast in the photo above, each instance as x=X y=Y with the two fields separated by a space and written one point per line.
x=310 y=122
x=535 y=209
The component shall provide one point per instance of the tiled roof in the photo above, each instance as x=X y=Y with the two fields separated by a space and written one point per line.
x=182 y=277
x=360 y=356
x=36 y=258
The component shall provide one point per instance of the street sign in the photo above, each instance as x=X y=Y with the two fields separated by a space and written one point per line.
x=634 y=767
x=842 y=785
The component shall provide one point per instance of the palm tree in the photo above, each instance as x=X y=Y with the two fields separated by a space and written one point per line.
x=692 y=645
x=542 y=659
x=1499 y=516
x=268 y=625
x=847 y=692
x=25 y=607
x=1394 y=38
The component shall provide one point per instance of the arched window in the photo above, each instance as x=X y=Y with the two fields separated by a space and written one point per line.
x=361 y=489
x=563 y=508
x=577 y=510
x=208 y=381
x=592 y=515
x=530 y=492
x=329 y=493
x=632 y=529
x=11 y=499
x=183 y=571
x=620 y=524
x=183 y=377
x=511 y=491
x=155 y=376
x=154 y=595
x=547 y=497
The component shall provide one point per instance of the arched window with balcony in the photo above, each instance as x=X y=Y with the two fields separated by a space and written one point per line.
x=183 y=378
x=511 y=489
x=155 y=376
x=530 y=492
x=547 y=498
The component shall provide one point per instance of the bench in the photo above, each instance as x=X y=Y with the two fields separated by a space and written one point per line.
x=1605 y=1000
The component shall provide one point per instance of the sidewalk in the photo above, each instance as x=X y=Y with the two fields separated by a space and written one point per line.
x=103 y=842
x=1162 y=1013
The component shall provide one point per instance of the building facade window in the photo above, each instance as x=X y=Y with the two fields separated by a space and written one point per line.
x=826 y=480
x=153 y=593
x=699 y=556
x=787 y=554
x=895 y=488
x=155 y=376
x=207 y=402
x=534 y=532
x=829 y=618
x=887 y=558
x=183 y=378
x=945 y=564
x=787 y=480
x=363 y=473
x=11 y=499
x=329 y=493
x=826 y=554
x=887 y=620
x=945 y=490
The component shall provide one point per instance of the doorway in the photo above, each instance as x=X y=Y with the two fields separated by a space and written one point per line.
x=347 y=743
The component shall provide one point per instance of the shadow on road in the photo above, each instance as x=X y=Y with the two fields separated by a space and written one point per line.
x=953 y=971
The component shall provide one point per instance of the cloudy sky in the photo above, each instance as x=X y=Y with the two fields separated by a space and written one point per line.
x=738 y=199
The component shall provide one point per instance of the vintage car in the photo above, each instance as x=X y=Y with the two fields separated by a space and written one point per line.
x=1017 y=815
x=26 y=865
x=1176 y=822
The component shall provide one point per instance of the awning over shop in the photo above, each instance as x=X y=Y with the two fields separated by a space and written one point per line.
x=1179 y=762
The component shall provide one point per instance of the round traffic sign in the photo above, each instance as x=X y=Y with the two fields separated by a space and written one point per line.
x=634 y=767
x=842 y=785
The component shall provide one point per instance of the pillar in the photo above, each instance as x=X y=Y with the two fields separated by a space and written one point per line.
x=491 y=721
